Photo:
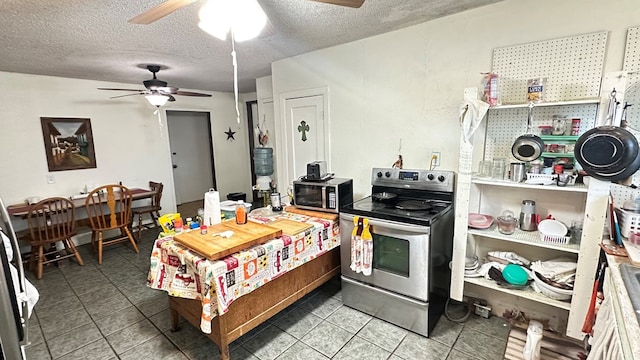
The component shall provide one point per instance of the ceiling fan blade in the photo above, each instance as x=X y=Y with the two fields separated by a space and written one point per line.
x=348 y=3
x=168 y=89
x=190 y=93
x=120 y=89
x=119 y=96
x=160 y=11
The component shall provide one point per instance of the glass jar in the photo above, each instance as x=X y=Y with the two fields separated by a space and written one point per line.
x=558 y=125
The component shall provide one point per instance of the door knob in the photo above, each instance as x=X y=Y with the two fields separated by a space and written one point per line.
x=175 y=166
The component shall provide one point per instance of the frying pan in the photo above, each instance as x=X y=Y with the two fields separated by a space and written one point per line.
x=608 y=152
x=528 y=147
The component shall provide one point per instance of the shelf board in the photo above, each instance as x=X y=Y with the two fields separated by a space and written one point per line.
x=527 y=293
x=559 y=137
x=524 y=237
x=581 y=188
x=556 y=103
x=557 y=155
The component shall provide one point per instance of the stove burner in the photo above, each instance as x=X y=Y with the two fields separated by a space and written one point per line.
x=413 y=205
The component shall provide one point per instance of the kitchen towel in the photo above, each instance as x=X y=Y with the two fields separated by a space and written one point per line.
x=471 y=113
x=211 y=207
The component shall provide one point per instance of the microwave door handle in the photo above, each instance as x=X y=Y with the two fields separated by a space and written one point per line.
x=395 y=226
x=325 y=205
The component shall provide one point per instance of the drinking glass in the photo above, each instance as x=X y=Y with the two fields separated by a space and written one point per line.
x=497 y=169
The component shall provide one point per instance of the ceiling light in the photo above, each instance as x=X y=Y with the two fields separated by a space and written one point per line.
x=157 y=99
x=244 y=18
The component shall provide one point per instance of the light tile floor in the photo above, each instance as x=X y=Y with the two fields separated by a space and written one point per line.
x=107 y=312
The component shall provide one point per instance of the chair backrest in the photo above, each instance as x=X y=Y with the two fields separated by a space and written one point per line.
x=155 y=200
x=52 y=219
x=109 y=207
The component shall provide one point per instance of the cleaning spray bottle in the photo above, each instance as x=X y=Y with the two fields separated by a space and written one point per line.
x=534 y=340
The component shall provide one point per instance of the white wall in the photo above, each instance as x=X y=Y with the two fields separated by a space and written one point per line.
x=130 y=145
x=408 y=84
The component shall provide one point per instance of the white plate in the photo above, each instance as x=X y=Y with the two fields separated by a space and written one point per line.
x=472 y=275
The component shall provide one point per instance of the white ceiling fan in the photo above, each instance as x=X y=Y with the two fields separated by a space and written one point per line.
x=169 y=6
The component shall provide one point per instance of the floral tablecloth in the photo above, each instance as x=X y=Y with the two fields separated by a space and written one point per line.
x=185 y=273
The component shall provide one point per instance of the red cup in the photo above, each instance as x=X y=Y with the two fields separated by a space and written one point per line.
x=575 y=126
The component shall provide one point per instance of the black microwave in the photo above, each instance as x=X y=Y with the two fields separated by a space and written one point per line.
x=327 y=196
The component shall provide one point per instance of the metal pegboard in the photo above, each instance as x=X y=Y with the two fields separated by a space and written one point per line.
x=632 y=50
x=572 y=66
x=505 y=125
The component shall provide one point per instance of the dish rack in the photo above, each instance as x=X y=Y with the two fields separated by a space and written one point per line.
x=550 y=177
x=554 y=239
x=629 y=222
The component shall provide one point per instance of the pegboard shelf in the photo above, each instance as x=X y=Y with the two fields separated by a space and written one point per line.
x=557 y=155
x=581 y=188
x=559 y=137
x=546 y=104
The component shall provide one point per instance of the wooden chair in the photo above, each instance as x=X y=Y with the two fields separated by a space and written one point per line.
x=153 y=209
x=109 y=208
x=51 y=220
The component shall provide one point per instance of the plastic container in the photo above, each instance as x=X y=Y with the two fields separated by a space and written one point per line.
x=534 y=341
x=629 y=222
x=553 y=231
x=263 y=161
x=228 y=208
x=545 y=129
x=515 y=274
x=550 y=291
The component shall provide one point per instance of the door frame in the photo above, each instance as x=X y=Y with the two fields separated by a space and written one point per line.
x=165 y=124
x=252 y=136
x=281 y=129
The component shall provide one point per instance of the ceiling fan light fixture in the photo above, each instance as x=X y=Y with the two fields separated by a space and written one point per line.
x=244 y=17
x=157 y=99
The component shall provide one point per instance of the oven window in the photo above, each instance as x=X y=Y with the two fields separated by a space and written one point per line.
x=391 y=255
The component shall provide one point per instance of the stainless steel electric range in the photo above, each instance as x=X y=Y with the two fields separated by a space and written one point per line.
x=411 y=215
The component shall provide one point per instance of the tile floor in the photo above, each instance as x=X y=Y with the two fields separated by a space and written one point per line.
x=107 y=312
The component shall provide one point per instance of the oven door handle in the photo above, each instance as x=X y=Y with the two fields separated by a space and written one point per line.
x=390 y=224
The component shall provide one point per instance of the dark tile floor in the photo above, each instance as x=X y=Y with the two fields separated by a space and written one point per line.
x=107 y=312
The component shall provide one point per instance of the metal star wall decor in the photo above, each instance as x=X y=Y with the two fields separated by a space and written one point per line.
x=230 y=134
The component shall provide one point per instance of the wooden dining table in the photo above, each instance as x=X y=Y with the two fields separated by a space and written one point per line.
x=22 y=209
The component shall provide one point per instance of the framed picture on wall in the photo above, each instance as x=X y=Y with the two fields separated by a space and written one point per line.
x=68 y=143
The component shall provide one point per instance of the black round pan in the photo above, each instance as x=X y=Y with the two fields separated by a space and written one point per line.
x=528 y=147
x=385 y=197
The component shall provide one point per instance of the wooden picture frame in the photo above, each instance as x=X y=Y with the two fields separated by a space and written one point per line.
x=68 y=143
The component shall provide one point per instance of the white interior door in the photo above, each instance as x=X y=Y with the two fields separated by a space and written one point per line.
x=307 y=134
x=191 y=154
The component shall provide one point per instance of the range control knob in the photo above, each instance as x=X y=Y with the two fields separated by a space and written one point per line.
x=387 y=174
x=430 y=176
x=441 y=178
x=379 y=174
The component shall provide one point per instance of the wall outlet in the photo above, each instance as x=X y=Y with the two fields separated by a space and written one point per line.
x=51 y=179
x=435 y=158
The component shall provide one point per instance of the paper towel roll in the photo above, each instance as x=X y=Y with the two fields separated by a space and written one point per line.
x=211 y=207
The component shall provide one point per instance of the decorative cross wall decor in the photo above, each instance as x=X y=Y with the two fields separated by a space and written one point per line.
x=303 y=128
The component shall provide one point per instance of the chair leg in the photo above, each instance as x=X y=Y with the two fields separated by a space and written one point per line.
x=32 y=257
x=93 y=241
x=139 y=227
x=40 y=259
x=133 y=242
x=75 y=251
x=100 y=247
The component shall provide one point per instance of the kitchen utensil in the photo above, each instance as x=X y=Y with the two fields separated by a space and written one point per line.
x=507 y=223
x=516 y=171
x=515 y=274
x=563 y=179
x=528 y=218
x=528 y=147
x=608 y=152
x=559 y=124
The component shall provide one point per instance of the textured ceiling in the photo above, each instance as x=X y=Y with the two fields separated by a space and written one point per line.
x=91 y=39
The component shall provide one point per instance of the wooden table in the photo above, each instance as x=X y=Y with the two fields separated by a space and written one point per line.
x=253 y=309
x=22 y=209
